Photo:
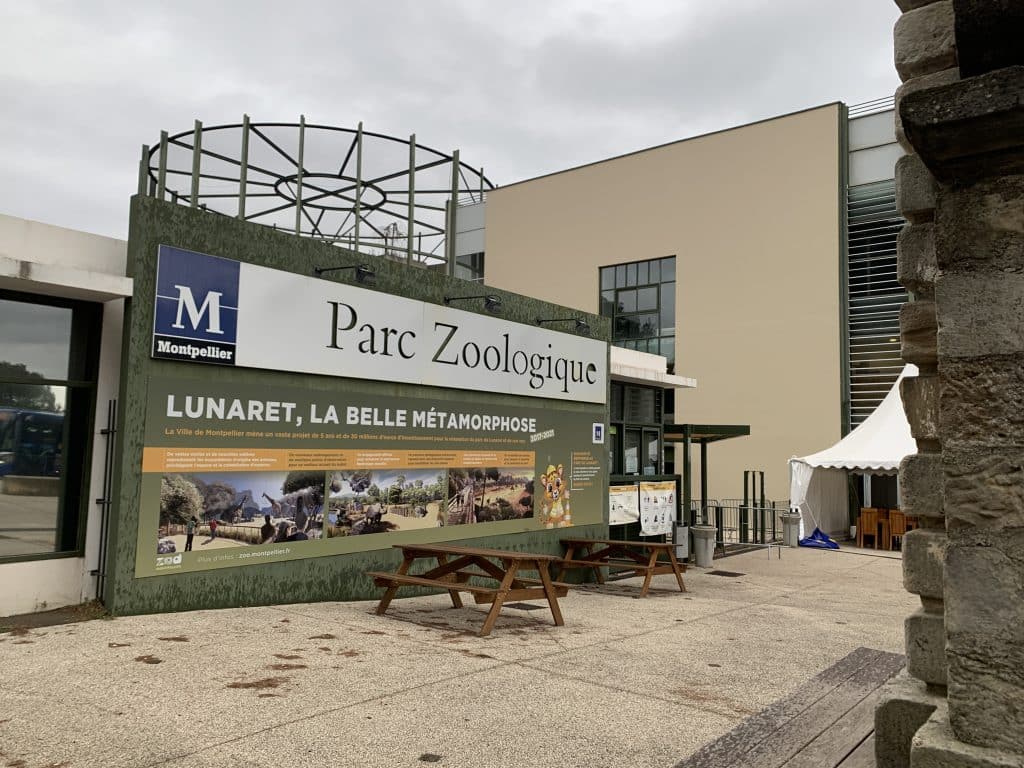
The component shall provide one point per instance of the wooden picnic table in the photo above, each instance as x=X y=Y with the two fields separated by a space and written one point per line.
x=649 y=558
x=457 y=564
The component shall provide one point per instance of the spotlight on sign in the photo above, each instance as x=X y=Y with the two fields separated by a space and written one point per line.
x=491 y=302
x=581 y=326
x=365 y=274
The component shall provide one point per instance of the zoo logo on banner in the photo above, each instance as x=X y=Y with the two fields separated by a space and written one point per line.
x=195 y=317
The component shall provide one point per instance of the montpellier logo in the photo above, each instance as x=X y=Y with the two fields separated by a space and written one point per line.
x=195 y=316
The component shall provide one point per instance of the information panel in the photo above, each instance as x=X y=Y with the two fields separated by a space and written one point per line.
x=235 y=475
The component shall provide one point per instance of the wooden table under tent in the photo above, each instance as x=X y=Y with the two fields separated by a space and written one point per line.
x=821 y=487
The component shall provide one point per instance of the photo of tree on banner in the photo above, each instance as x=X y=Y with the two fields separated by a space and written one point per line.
x=363 y=502
x=486 y=494
x=231 y=509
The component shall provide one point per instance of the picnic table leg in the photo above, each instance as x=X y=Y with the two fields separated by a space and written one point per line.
x=675 y=568
x=549 y=592
x=453 y=593
x=588 y=550
x=389 y=593
x=506 y=583
x=569 y=552
x=651 y=562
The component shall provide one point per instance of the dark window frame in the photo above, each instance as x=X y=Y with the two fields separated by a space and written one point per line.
x=624 y=280
x=80 y=411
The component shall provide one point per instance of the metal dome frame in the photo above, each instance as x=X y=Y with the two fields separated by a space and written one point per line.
x=384 y=212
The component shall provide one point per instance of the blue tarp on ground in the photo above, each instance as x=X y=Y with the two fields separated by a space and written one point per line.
x=818 y=540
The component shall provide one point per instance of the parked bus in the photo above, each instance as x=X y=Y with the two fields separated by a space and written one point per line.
x=30 y=443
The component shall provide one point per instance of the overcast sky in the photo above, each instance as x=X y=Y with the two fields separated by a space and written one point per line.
x=522 y=87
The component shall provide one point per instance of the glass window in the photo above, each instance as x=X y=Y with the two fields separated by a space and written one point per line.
x=470 y=266
x=631 y=452
x=627 y=301
x=652 y=459
x=44 y=424
x=642 y=305
x=668 y=308
x=36 y=340
x=647 y=298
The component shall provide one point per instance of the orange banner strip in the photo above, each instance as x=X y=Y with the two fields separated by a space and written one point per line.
x=284 y=459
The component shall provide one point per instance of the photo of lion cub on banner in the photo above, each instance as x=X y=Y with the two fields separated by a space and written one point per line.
x=555 y=512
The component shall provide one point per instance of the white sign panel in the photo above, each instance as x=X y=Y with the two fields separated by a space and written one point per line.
x=657 y=508
x=623 y=504
x=214 y=310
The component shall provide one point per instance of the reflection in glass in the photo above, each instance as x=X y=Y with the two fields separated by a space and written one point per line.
x=631 y=452
x=31 y=465
x=651 y=463
x=35 y=342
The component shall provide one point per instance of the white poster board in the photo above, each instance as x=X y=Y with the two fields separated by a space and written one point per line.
x=623 y=504
x=657 y=508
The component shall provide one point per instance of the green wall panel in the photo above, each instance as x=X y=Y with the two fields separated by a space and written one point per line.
x=339 y=577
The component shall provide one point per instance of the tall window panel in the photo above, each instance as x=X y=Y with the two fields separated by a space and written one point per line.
x=48 y=359
x=873 y=297
x=640 y=299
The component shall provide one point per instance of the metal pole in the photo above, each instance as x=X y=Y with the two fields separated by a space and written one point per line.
x=144 y=169
x=197 y=156
x=243 y=173
x=449 y=236
x=359 y=178
x=298 y=175
x=763 y=506
x=161 y=173
x=704 y=482
x=743 y=509
x=412 y=198
x=687 y=479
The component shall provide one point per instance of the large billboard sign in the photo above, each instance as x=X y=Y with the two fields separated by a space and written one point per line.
x=214 y=310
x=239 y=474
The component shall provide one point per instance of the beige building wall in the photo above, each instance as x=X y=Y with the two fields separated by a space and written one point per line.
x=752 y=216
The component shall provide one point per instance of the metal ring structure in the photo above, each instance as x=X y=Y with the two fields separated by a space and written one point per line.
x=366 y=191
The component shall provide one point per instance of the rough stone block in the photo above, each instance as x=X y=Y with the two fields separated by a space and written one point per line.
x=918 y=333
x=916 y=267
x=915 y=190
x=924 y=554
x=983 y=486
x=924 y=40
x=921 y=485
x=945 y=77
x=921 y=404
x=905 y=706
x=981 y=226
x=985 y=636
x=982 y=400
x=936 y=746
x=925 y=639
x=971 y=129
x=988 y=34
x=979 y=314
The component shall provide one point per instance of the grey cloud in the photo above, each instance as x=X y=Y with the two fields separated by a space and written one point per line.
x=522 y=88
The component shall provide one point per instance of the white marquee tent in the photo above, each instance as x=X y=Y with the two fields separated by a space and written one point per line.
x=818 y=482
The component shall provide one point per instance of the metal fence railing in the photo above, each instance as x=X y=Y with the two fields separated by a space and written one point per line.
x=743 y=523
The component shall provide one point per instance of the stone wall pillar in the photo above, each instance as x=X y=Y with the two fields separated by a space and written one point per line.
x=961 y=116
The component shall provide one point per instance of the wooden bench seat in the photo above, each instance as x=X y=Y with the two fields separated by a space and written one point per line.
x=384 y=579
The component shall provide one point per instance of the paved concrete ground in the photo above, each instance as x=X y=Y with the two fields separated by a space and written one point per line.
x=625 y=683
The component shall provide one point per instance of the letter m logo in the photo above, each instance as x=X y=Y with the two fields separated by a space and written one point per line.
x=196 y=301
x=210 y=307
